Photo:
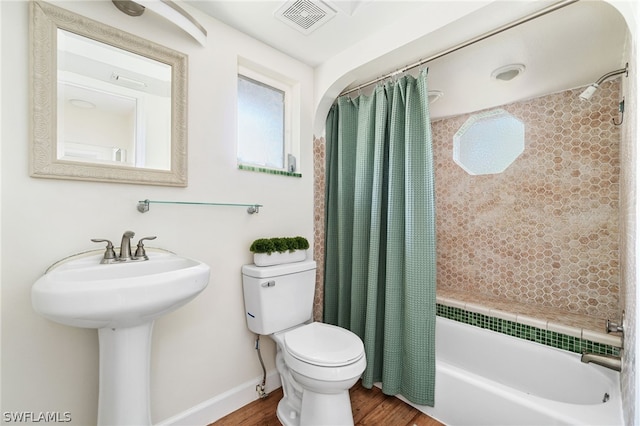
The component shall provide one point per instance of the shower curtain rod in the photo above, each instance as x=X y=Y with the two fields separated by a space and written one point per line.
x=467 y=43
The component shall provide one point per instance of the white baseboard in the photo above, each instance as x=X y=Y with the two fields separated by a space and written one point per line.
x=219 y=406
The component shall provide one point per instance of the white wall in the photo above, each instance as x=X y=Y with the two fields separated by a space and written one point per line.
x=204 y=348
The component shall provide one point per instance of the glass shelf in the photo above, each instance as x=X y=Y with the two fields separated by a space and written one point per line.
x=143 y=206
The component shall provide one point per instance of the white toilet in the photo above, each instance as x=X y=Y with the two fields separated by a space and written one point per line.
x=318 y=363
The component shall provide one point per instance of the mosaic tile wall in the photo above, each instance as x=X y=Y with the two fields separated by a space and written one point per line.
x=545 y=231
x=318 y=220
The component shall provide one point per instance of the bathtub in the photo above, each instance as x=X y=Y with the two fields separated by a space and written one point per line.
x=488 y=378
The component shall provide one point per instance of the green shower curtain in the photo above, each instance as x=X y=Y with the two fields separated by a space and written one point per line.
x=380 y=270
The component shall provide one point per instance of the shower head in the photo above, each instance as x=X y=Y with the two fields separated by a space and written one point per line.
x=591 y=89
x=588 y=92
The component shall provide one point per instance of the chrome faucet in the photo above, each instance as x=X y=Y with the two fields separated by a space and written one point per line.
x=613 y=327
x=125 y=246
x=608 y=361
x=125 y=249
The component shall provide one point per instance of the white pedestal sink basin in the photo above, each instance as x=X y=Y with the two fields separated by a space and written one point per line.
x=121 y=300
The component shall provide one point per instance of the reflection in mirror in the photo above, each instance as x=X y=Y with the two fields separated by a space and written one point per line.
x=487 y=143
x=111 y=102
x=121 y=103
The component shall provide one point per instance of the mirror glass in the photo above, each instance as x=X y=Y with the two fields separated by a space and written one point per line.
x=487 y=143
x=113 y=106
x=108 y=106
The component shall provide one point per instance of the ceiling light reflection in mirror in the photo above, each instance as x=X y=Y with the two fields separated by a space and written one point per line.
x=114 y=107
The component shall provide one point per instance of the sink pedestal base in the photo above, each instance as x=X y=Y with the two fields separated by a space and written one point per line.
x=124 y=376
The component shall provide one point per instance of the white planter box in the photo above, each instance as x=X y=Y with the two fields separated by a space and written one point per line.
x=277 y=258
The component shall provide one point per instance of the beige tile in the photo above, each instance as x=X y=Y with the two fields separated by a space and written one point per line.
x=452 y=303
x=564 y=329
x=607 y=339
x=479 y=309
x=503 y=315
x=533 y=322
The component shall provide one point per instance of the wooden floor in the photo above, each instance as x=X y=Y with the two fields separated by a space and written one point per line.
x=370 y=407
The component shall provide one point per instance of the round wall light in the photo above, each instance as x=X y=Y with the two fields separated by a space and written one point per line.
x=81 y=103
x=508 y=72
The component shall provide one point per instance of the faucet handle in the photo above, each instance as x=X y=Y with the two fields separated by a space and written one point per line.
x=140 y=253
x=613 y=327
x=109 y=254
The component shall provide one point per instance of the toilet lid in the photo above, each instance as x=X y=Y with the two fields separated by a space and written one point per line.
x=324 y=345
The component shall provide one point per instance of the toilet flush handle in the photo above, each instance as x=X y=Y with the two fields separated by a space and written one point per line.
x=271 y=283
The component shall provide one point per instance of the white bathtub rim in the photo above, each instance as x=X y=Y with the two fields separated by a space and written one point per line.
x=534 y=408
x=608 y=377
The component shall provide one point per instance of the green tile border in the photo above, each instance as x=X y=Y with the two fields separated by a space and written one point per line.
x=268 y=171
x=527 y=332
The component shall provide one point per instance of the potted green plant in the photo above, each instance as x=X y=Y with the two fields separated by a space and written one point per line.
x=278 y=250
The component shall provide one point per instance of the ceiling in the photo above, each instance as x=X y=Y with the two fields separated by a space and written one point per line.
x=566 y=49
x=352 y=23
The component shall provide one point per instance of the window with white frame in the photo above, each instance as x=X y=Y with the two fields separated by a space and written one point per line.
x=264 y=121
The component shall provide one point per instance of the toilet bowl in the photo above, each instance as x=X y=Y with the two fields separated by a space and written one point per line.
x=321 y=362
x=318 y=363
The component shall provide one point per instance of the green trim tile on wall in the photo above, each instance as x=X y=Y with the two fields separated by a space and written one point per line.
x=526 y=332
x=268 y=171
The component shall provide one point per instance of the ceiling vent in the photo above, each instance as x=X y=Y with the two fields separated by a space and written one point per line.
x=305 y=16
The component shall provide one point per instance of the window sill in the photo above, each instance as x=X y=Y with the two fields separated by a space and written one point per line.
x=268 y=171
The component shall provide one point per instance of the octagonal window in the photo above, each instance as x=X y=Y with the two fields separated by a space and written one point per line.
x=487 y=143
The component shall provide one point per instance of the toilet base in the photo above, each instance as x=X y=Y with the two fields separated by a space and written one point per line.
x=320 y=409
x=286 y=414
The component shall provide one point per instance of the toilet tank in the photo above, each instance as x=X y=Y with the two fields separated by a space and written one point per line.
x=278 y=297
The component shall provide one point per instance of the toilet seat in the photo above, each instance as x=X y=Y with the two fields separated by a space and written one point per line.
x=323 y=345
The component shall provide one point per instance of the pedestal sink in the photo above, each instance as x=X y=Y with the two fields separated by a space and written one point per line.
x=121 y=300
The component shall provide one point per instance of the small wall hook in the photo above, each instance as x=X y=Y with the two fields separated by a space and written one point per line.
x=621 y=109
